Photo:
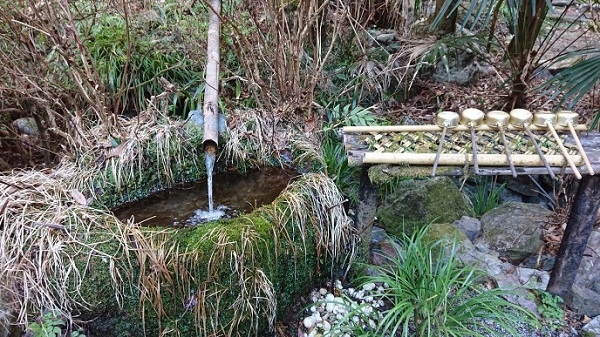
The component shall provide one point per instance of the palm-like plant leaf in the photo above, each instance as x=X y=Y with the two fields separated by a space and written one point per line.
x=577 y=80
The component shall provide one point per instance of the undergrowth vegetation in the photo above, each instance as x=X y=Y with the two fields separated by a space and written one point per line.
x=430 y=292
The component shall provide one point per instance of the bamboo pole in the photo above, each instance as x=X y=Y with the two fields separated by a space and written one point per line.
x=451 y=159
x=435 y=128
x=210 y=107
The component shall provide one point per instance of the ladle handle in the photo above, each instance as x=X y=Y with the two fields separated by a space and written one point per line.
x=439 y=151
x=507 y=151
x=564 y=151
x=474 y=147
x=539 y=151
x=580 y=148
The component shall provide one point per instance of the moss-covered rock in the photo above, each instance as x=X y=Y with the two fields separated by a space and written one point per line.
x=416 y=202
x=227 y=277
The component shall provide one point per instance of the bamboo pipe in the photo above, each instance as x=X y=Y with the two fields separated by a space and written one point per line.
x=521 y=118
x=548 y=120
x=452 y=159
x=569 y=118
x=210 y=138
x=436 y=128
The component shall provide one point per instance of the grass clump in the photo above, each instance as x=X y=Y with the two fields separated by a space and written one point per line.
x=486 y=195
x=430 y=292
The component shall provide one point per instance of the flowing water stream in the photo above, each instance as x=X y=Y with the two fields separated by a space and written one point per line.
x=210 y=165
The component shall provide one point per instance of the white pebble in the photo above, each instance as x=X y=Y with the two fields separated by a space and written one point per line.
x=330 y=307
x=369 y=286
x=326 y=326
x=309 y=322
x=323 y=291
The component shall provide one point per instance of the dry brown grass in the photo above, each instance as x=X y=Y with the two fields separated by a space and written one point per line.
x=45 y=242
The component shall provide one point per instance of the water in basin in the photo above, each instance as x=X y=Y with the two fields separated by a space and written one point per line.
x=187 y=205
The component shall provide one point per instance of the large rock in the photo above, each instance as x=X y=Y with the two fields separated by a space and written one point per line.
x=592 y=328
x=514 y=230
x=584 y=297
x=588 y=274
x=417 y=202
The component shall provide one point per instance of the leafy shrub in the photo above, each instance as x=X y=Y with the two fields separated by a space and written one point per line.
x=51 y=326
x=431 y=293
x=550 y=308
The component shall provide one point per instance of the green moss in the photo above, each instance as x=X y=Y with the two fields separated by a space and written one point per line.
x=205 y=259
x=415 y=203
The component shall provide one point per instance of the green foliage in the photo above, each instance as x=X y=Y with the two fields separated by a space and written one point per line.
x=346 y=178
x=431 y=293
x=350 y=115
x=550 y=308
x=51 y=326
x=486 y=195
x=132 y=56
x=334 y=153
x=576 y=80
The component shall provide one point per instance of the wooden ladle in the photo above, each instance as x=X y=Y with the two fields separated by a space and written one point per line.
x=499 y=119
x=568 y=118
x=444 y=119
x=521 y=118
x=546 y=119
x=473 y=118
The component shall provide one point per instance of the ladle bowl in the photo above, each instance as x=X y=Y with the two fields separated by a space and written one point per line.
x=520 y=118
x=497 y=118
x=472 y=117
x=544 y=118
x=448 y=119
x=566 y=117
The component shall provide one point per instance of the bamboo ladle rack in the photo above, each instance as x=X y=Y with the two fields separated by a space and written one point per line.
x=495 y=123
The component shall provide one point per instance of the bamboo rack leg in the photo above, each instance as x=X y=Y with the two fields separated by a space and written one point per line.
x=439 y=151
x=507 y=151
x=580 y=148
x=539 y=151
x=564 y=151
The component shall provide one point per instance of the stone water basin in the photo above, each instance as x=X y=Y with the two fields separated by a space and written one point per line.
x=186 y=205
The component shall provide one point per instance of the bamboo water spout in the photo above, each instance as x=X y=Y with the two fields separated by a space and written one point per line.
x=210 y=138
x=210 y=108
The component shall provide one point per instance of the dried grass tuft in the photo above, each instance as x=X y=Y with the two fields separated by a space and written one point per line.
x=46 y=246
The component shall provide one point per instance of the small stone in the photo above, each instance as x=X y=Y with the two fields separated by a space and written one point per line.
x=369 y=286
x=323 y=291
x=309 y=322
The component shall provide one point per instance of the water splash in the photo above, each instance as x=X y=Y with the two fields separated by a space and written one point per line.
x=201 y=216
x=210 y=159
